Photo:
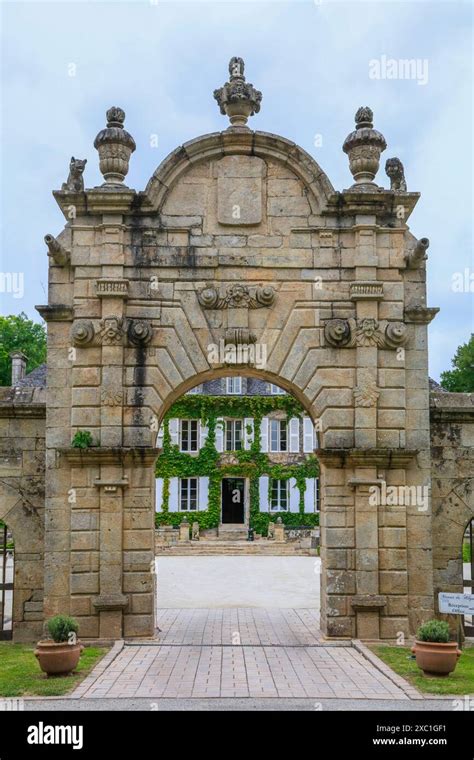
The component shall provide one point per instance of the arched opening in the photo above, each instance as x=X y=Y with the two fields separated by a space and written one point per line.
x=7 y=550
x=237 y=498
x=468 y=572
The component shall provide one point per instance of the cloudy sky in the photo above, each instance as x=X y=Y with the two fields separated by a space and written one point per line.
x=64 y=63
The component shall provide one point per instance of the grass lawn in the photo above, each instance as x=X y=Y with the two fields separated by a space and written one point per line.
x=459 y=682
x=20 y=673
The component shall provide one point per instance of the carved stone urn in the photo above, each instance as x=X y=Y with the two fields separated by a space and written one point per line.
x=364 y=146
x=237 y=98
x=115 y=146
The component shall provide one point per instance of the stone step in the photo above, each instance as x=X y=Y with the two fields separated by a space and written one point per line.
x=220 y=548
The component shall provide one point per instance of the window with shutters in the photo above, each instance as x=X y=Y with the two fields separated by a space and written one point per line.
x=279 y=495
x=188 y=435
x=278 y=435
x=233 y=435
x=188 y=494
x=234 y=385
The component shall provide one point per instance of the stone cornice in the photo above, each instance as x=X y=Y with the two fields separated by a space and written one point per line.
x=26 y=410
x=420 y=315
x=382 y=203
x=145 y=455
x=56 y=312
x=385 y=458
x=451 y=407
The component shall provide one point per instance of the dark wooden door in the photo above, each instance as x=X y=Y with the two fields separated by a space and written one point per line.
x=233 y=493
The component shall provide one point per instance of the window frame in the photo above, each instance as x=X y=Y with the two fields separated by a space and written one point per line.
x=275 y=390
x=280 y=482
x=229 y=386
x=188 y=496
x=279 y=449
x=189 y=435
x=230 y=424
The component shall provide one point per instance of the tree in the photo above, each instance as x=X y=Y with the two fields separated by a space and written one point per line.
x=18 y=333
x=461 y=378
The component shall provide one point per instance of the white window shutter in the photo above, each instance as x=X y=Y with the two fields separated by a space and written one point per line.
x=294 y=426
x=220 y=434
x=309 y=496
x=173 y=503
x=203 y=493
x=308 y=435
x=158 y=494
x=160 y=436
x=203 y=431
x=294 y=495
x=174 y=431
x=263 y=493
x=264 y=434
x=248 y=437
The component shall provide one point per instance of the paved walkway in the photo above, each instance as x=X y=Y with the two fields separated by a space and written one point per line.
x=238 y=581
x=235 y=653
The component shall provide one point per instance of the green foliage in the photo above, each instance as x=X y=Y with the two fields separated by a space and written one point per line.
x=18 y=333
x=461 y=378
x=460 y=682
x=251 y=463
x=60 y=626
x=466 y=552
x=82 y=440
x=434 y=630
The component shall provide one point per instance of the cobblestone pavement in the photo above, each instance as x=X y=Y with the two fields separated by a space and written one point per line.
x=240 y=652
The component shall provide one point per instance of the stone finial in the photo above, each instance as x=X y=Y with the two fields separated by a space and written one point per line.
x=19 y=360
x=115 y=146
x=364 y=146
x=237 y=98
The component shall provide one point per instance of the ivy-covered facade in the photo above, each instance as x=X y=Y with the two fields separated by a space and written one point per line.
x=238 y=440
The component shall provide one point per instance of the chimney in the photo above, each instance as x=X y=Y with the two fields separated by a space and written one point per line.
x=18 y=366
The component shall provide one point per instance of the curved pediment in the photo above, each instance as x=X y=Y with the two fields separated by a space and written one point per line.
x=238 y=142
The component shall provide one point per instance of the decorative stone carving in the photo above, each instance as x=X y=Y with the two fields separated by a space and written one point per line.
x=396 y=173
x=115 y=146
x=337 y=332
x=237 y=296
x=75 y=180
x=111 y=331
x=140 y=332
x=348 y=333
x=395 y=334
x=366 y=393
x=82 y=332
x=417 y=254
x=60 y=255
x=366 y=290
x=111 y=397
x=237 y=98
x=367 y=333
x=239 y=336
x=111 y=286
x=195 y=531
x=364 y=146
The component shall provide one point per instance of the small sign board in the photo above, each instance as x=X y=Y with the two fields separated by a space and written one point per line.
x=456 y=604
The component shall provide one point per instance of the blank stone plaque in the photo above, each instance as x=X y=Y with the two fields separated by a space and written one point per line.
x=239 y=190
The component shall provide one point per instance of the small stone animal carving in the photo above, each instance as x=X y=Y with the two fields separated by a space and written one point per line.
x=195 y=532
x=75 y=180
x=395 y=171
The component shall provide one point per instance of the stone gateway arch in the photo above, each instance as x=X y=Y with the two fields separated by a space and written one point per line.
x=239 y=241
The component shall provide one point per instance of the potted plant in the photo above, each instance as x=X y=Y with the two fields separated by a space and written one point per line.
x=435 y=653
x=60 y=654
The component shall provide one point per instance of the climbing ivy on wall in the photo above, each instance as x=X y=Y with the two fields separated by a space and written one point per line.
x=251 y=463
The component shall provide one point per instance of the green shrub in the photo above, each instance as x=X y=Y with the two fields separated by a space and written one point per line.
x=466 y=552
x=434 y=630
x=60 y=626
x=82 y=439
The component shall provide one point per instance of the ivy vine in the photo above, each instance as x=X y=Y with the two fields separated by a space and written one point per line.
x=252 y=463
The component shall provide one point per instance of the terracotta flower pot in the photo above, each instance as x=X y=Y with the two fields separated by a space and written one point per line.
x=58 y=658
x=436 y=658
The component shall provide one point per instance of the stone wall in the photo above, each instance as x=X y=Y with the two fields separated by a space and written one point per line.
x=452 y=452
x=22 y=432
